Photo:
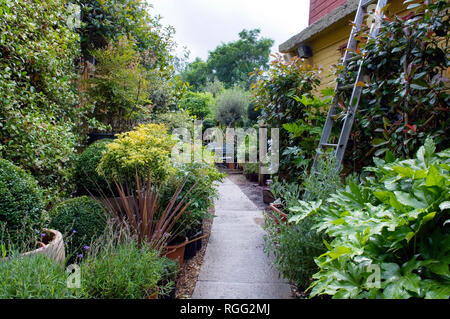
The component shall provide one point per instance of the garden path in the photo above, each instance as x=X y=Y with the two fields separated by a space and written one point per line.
x=235 y=265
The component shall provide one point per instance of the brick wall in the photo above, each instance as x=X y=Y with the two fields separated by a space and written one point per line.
x=320 y=8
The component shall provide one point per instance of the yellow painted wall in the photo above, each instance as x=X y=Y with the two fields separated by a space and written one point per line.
x=325 y=45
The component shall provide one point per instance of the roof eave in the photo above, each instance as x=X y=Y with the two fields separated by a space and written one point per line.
x=323 y=23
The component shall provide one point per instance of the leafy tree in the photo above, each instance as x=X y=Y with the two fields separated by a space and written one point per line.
x=283 y=96
x=197 y=104
x=118 y=89
x=105 y=20
x=197 y=74
x=231 y=106
x=215 y=87
x=232 y=62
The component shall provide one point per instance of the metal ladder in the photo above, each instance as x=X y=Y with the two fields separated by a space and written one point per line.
x=357 y=86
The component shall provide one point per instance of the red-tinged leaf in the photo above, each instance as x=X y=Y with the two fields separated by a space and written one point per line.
x=412 y=127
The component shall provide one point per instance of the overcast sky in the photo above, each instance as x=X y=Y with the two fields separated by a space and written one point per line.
x=201 y=25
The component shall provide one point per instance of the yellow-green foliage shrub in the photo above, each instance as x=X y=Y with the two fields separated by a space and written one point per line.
x=145 y=150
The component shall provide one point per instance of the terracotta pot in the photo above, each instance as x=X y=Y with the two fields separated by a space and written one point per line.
x=283 y=217
x=176 y=252
x=54 y=248
x=231 y=165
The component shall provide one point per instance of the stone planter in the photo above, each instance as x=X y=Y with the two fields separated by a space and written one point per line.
x=52 y=246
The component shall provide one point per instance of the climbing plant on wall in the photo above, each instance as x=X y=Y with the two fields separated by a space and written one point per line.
x=37 y=96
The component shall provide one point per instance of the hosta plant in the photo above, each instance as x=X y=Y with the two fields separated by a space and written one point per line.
x=390 y=235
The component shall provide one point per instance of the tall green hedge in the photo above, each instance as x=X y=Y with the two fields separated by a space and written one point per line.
x=37 y=92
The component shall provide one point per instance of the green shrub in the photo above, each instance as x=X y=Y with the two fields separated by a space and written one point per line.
x=118 y=89
x=251 y=168
x=87 y=179
x=197 y=104
x=283 y=96
x=126 y=271
x=294 y=248
x=201 y=196
x=146 y=150
x=389 y=237
x=81 y=220
x=231 y=107
x=33 y=277
x=208 y=123
x=322 y=182
x=109 y=20
x=173 y=120
x=286 y=194
x=22 y=207
x=407 y=98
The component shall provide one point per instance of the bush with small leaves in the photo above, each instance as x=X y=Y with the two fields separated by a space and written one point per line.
x=87 y=180
x=81 y=220
x=126 y=271
x=145 y=150
x=22 y=207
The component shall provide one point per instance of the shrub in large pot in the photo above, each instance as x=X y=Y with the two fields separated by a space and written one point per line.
x=251 y=171
x=204 y=175
x=152 y=221
x=23 y=216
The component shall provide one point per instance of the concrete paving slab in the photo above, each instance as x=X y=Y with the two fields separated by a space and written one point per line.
x=235 y=265
x=236 y=290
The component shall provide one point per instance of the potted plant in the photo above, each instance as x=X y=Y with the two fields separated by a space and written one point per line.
x=23 y=215
x=251 y=171
x=51 y=244
x=153 y=223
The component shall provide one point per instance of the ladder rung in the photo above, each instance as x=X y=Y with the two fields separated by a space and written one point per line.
x=328 y=145
x=345 y=87
x=353 y=58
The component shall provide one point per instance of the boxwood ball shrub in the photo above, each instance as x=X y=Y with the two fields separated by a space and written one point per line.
x=22 y=213
x=81 y=220
x=126 y=271
x=33 y=277
x=87 y=179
